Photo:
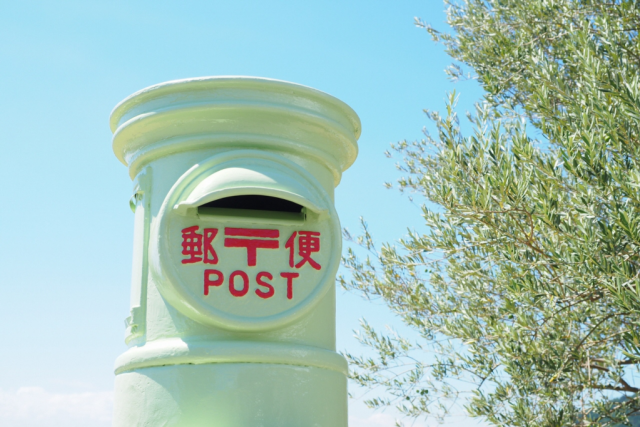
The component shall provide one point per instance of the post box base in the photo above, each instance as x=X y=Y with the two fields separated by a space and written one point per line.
x=231 y=395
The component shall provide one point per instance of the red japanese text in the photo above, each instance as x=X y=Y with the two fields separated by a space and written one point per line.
x=267 y=240
x=308 y=243
x=195 y=245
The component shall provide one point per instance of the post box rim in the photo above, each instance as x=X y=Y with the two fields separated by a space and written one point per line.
x=173 y=86
x=204 y=112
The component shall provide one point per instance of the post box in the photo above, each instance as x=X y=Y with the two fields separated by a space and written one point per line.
x=236 y=248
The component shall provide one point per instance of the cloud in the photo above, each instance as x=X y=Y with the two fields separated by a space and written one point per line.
x=34 y=406
x=374 y=420
x=386 y=420
x=380 y=420
x=37 y=407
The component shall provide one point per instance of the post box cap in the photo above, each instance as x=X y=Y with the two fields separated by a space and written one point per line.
x=234 y=112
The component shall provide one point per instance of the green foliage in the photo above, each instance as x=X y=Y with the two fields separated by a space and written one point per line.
x=525 y=290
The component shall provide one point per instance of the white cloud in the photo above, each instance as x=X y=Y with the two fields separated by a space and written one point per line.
x=374 y=420
x=379 y=419
x=34 y=406
x=37 y=407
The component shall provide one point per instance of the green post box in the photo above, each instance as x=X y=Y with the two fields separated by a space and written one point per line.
x=236 y=247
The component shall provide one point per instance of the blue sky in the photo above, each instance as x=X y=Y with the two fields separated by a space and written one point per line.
x=66 y=228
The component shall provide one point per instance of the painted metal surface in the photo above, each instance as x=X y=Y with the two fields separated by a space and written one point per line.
x=236 y=247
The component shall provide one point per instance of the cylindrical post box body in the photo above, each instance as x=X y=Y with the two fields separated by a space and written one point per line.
x=236 y=247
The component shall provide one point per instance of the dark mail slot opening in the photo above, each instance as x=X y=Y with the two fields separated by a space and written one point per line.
x=255 y=202
x=254 y=207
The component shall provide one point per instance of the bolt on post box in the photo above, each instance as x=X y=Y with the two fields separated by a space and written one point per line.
x=236 y=248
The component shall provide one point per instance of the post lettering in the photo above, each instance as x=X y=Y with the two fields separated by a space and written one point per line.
x=289 y=277
x=260 y=280
x=208 y=282
x=245 y=283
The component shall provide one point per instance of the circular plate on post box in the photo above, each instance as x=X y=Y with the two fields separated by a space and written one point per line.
x=246 y=241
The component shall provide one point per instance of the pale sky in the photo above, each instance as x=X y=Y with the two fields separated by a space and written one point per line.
x=66 y=228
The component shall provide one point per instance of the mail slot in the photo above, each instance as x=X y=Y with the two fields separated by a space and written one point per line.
x=254 y=206
x=236 y=248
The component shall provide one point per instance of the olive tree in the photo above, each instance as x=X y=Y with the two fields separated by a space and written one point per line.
x=524 y=290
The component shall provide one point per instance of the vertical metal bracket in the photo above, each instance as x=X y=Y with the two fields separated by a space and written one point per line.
x=140 y=204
